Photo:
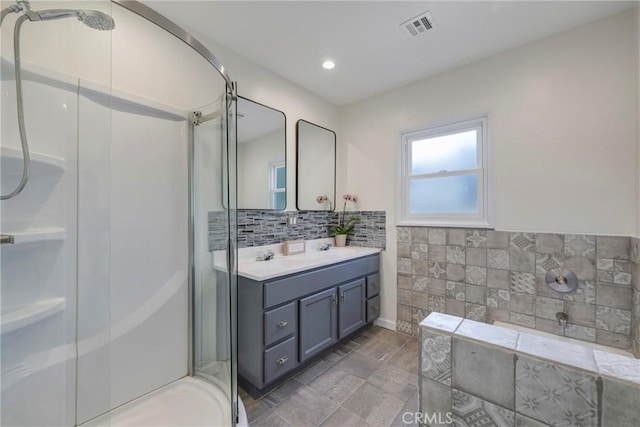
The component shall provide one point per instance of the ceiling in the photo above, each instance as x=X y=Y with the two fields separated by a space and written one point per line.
x=372 y=51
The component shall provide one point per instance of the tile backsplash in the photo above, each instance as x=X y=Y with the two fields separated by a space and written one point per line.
x=635 y=315
x=496 y=275
x=263 y=227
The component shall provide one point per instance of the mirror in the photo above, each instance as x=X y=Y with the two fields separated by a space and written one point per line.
x=262 y=148
x=316 y=171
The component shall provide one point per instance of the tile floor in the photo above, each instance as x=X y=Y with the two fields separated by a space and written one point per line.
x=369 y=381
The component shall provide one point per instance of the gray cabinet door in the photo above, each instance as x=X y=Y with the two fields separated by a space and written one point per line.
x=318 y=318
x=352 y=314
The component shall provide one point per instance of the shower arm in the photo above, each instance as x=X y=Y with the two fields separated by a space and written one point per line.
x=26 y=161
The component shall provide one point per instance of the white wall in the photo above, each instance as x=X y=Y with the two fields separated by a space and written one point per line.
x=562 y=118
x=263 y=86
x=638 y=121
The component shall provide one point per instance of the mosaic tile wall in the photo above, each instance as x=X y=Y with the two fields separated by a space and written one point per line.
x=495 y=275
x=257 y=228
x=635 y=315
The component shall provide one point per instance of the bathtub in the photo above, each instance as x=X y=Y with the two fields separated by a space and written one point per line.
x=507 y=375
x=187 y=402
x=563 y=339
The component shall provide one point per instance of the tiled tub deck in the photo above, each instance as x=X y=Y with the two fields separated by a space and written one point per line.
x=486 y=375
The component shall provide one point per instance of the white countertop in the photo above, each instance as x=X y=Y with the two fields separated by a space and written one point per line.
x=282 y=265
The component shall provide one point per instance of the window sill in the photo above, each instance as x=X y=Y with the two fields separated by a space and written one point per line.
x=445 y=224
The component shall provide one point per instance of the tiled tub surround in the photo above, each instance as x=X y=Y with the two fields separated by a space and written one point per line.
x=259 y=228
x=495 y=275
x=487 y=375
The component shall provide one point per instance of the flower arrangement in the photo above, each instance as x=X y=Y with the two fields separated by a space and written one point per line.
x=344 y=226
x=323 y=199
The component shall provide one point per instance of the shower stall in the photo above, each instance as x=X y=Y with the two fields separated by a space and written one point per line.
x=111 y=311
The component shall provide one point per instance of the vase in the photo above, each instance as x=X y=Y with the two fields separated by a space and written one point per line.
x=341 y=240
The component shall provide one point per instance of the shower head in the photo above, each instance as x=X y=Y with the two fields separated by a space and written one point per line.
x=91 y=18
x=96 y=20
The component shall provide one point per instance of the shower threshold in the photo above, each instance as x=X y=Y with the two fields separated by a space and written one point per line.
x=186 y=402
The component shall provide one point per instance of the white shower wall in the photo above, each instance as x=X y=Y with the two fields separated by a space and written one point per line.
x=128 y=200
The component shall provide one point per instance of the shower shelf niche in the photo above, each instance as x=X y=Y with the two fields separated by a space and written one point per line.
x=40 y=163
x=19 y=317
x=36 y=236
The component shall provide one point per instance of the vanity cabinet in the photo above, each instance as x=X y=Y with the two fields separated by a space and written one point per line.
x=287 y=322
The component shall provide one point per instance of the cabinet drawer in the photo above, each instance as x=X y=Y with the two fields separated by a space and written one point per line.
x=279 y=359
x=373 y=308
x=373 y=285
x=279 y=323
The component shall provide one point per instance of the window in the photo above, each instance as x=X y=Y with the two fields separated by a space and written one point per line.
x=444 y=175
x=278 y=186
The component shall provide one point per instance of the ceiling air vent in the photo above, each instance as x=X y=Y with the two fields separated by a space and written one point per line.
x=419 y=24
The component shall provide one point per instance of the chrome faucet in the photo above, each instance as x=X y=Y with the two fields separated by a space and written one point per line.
x=265 y=256
x=562 y=319
x=324 y=246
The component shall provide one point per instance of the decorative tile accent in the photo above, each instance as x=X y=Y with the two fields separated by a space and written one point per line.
x=404 y=327
x=436 y=356
x=403 y=234
x=437 y=304
x=476 y=275
x=580 y=245
x=555 y=395
x=546 y=262
x=404 y=265
x=456 y=290
x=498 y=298
x=436 y=271
x=585 y=293
x=475 y=312
x=476 y=239
x=523 y=282
x=437 y=236
x=419 y=283
x=498 y=258
x=523 y=241
x=613 y=320
x=474 y=412
x=455 y=254
x=419 y=251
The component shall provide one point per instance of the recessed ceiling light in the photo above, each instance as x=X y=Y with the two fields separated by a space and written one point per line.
x=328 y=65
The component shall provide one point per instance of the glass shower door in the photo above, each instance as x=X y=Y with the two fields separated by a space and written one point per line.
x=213 y=215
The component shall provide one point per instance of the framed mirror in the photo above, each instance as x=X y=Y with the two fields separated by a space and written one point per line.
x=262 y=164
x=316 y=169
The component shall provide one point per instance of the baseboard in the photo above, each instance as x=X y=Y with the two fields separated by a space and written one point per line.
x=385 y=323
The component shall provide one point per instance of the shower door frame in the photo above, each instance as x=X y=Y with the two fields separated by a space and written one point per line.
x=231 y=92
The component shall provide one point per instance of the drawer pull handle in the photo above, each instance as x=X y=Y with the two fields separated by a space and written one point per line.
x=282 y=323
x=282 y=360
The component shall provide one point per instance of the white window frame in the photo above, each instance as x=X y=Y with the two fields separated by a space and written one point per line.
x=482 y=219
x=273 y=179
